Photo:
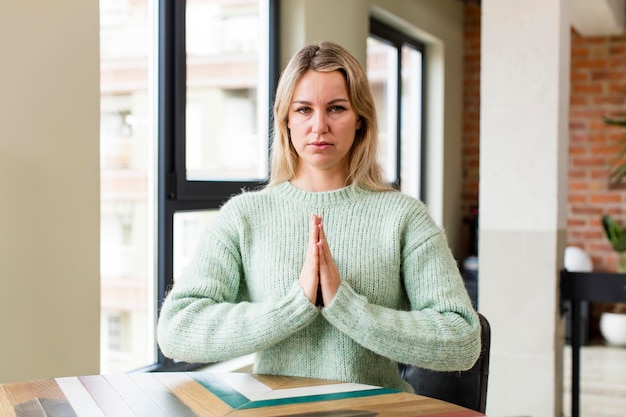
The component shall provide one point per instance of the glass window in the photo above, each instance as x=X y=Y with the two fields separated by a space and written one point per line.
x=382 y=71
x=184 y=125
x=226 y=116
x=395 y=69
x=188 y=226
x=127 y=162
x=411 y=121
x=216 y=68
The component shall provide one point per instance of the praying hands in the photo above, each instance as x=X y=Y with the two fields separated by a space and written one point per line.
x=319 y=277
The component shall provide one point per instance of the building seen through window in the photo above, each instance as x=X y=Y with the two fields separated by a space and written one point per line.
x=395 y=70
x=226 y=137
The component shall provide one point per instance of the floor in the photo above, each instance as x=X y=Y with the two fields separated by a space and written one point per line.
x=602 y=382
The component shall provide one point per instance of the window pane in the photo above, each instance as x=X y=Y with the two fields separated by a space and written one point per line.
x=411 y=124
x=188 y=226
x=227 y=94
x=382 y=70
x=127 y=199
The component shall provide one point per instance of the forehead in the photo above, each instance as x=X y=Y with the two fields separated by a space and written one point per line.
x=320 y=84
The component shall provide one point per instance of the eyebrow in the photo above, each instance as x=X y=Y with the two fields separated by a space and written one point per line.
x=333 y=101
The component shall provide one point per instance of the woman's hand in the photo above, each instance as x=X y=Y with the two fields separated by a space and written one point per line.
x=319 y=268
x=309 y=276
x=328 y=272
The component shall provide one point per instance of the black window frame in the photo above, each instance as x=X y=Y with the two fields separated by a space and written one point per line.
x=175 y=193
x=397 y=39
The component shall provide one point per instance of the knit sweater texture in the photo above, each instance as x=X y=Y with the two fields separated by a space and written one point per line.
x=401 y=298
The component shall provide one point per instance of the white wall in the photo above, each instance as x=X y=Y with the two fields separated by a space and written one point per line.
x=523 y=195
x=439 y=24
x=49 y=187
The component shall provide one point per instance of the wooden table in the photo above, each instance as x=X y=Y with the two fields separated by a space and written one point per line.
x=199 y=394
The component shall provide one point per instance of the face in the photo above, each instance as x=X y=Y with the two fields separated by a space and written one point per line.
x=322 y=122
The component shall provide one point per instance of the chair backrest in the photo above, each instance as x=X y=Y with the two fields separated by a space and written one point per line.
x=465 y=388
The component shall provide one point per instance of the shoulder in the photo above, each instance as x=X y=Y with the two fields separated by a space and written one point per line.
x=398 y=203
x=245 y=207
x=246 y=199
x=409 y=215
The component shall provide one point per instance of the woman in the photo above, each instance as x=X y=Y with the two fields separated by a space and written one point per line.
x=389 y=288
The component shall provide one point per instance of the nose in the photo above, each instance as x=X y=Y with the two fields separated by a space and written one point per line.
x=320 y=123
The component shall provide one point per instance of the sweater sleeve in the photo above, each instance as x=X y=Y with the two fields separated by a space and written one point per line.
x=440 y=332
x=206 y=317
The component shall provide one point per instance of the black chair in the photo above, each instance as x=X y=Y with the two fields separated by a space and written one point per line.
x=465 y=388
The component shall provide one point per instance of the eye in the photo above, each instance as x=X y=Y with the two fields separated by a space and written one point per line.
x=336 y=109
x=303 y=110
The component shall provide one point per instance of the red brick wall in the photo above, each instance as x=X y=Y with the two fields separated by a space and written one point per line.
x=471 y=120
x=598 y=89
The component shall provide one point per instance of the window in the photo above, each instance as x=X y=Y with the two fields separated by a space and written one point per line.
x=167 y=167
x=217 y=67
x=395 y=67
x=127 y=162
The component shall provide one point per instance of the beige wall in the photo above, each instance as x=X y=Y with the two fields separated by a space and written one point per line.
x=49 y=185
x=439 y=24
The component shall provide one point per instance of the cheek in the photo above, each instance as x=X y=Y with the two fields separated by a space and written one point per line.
x=297 y=128
x=296 y=137
x=349 y=128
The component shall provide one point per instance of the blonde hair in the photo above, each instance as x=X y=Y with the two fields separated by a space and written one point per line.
x=364 y=170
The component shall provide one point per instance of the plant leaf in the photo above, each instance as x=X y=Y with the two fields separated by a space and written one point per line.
x=615 y=122
x=614 y=232
x=620 y=244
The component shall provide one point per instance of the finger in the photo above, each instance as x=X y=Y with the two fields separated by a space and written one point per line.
x=322 y=238
x=312 y=228
x=309 y=275
x=319 y=297
x=325 y=249
x=329 y=276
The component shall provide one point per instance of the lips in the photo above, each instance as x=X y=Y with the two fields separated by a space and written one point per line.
x=320 y=145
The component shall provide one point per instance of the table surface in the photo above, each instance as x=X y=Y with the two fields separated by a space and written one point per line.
x=200 y=394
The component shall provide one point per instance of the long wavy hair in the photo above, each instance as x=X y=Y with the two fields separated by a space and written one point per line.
x=364 y=169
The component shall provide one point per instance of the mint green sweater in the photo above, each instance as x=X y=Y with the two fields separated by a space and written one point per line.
x=401 y=299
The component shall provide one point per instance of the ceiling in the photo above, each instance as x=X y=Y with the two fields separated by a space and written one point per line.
x=598 y=17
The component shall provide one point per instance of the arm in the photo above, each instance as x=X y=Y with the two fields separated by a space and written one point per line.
x=206 y=317
x=441 y=332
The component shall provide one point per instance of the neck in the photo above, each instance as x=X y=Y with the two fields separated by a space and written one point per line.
x=319 y=182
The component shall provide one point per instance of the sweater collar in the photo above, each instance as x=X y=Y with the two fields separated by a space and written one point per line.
x=350 y=193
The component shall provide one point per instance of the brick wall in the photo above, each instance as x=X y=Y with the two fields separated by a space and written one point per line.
x=471 y=123
x=598 y=89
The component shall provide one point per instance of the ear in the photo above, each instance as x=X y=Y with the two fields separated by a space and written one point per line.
x=358 y=123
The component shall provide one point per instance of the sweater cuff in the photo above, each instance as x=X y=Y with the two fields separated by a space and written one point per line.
x=346 y=304
x=296 y=306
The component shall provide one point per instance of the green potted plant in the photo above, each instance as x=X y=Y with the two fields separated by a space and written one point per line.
x=613 y=321
x=616 y=235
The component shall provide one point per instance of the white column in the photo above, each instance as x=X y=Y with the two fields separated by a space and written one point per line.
x=523 y=192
